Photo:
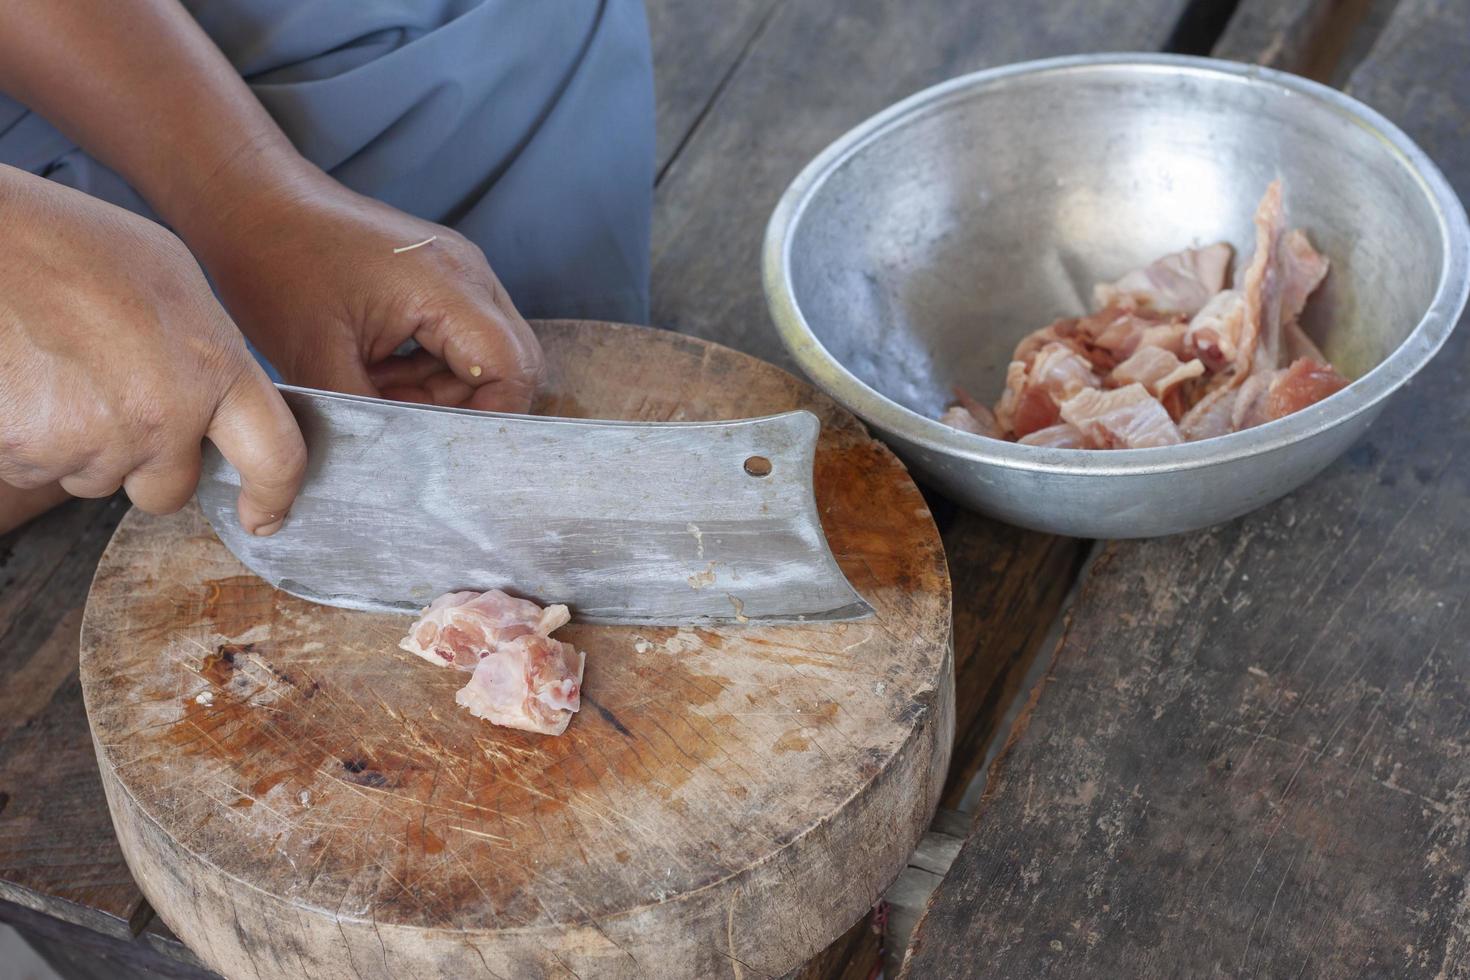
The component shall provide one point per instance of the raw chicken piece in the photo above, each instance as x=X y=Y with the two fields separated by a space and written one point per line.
x=1034 y=391
x=533 y=683
x=1112 y=335
x=1260 y=335
x=1171 y=354
x=1178 y=283
x=1065 y=331
x=458 y=629
x=968 y=415
x=1269 y=395
x=1253 y=327
x=1063 y=435
x=1250 y=409
x=1123 y=418
x=1158 y=371
x=959 y=417
x=1210 y=416
x=1304 y=383
x=1214 y=333
x=1302 y=270
x=522 y=678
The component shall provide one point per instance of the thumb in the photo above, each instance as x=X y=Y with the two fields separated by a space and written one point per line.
x=491 y=349
x=256 y=432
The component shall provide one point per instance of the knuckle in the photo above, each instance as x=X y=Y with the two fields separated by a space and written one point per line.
x=281 y=468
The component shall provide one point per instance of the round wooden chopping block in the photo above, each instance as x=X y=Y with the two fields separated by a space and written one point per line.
x=297 y=797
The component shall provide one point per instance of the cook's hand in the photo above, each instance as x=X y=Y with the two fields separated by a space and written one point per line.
x=116 y=361
x=326 y=285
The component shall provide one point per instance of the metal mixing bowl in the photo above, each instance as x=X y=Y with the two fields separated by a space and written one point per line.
x=919 y=248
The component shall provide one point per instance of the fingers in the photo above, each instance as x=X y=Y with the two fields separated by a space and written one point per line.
x=489 y=348
x=255 y=431
x=404 y=370
x=503 y=396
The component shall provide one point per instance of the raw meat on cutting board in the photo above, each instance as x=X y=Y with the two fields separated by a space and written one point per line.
x=521 y=677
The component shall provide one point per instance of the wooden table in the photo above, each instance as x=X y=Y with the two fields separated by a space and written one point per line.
x=1249 y=753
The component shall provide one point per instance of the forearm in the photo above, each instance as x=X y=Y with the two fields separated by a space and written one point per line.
x=141 y=87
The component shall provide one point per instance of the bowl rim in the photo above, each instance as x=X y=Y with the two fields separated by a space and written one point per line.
x=819 y=364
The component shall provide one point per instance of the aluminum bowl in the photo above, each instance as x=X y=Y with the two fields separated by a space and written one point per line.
x=916 y=251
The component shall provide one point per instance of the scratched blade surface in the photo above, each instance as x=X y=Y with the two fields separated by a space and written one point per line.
x=644 y=523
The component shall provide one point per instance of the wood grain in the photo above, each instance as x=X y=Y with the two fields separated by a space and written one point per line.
x=696 y=47
x=1251 y=756
x=1010 y=585
x=298 y=797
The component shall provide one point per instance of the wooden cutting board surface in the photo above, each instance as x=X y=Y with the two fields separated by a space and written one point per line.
x=298 y=797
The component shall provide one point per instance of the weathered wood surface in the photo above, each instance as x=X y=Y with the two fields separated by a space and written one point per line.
x=697 y=45
x=908 y=896
x=1321 y=39
x=298 y=797
x=1250 y=758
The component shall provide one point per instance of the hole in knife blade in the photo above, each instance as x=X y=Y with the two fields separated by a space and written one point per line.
x=758 y=466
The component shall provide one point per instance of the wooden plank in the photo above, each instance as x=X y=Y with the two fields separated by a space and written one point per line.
x=851 y=957
x=696 y=45
x=907 y=897
x=1315 y=38
x=1253 y=754
x=57 y=851
x=818 y=69
x=1009 y=586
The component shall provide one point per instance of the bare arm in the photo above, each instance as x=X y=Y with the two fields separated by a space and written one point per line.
x=142 y=88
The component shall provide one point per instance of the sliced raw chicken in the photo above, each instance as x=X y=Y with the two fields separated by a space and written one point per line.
x=522 y=678
x=1213 y=335
x=1171 y=354
x=1033 y=392
x=1304 y=383
x=533 y=683
x=1157 y=370
x=968 y=415
x=1269 y=395
x=1302 y=270
x=1178 y=283
x=1065 y=331
x=1063 y=435
x=1123 y=418
x=1251 y=398
x=1210 y=415
x=1262 y=285
x=458 y=629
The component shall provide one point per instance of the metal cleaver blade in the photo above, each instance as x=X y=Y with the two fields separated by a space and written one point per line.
x=625 y=522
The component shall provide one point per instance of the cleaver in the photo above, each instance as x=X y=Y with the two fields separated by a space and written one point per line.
x=646 y=523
